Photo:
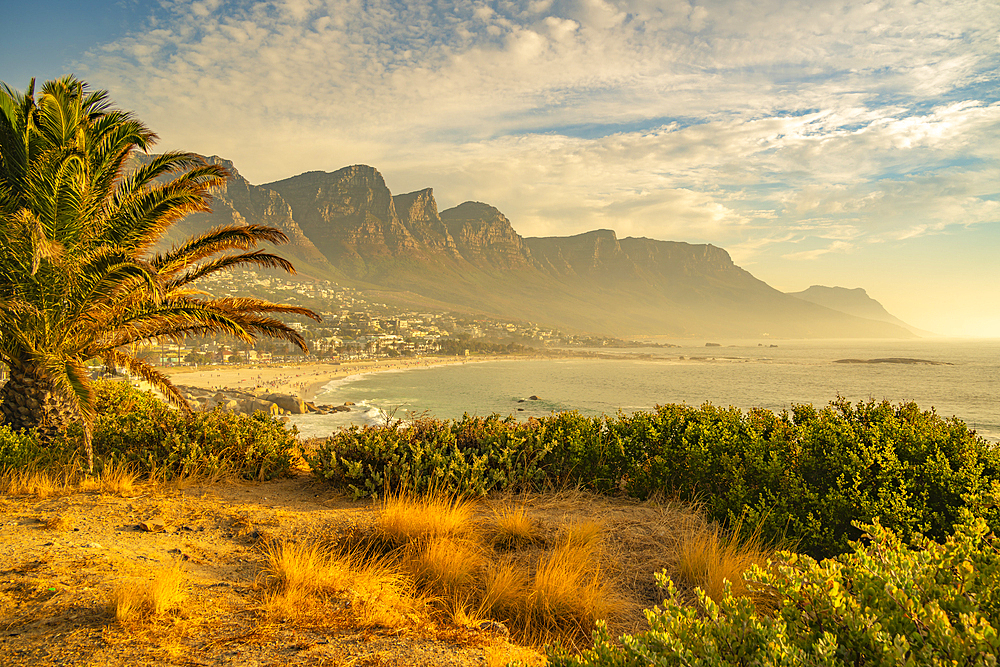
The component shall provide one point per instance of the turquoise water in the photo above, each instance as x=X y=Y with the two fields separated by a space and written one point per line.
x=742 y=375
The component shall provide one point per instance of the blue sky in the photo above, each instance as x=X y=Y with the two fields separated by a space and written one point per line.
x=838 y=143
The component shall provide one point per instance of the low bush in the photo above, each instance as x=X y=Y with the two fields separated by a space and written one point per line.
x=17 y=448
x=881 y=604
x=474 y=456
x=803 y=476
x=137 y=428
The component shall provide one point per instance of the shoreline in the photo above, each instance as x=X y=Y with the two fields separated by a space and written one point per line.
x=305 y=380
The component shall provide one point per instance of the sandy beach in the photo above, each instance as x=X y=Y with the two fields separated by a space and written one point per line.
x=303 y=380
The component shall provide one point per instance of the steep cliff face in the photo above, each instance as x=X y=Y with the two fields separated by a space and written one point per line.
x=256 y=205
x=348 y=213
x=484 y=236
x=241 y=203
x=419 y=214
x=596 y=254
x=677 y=258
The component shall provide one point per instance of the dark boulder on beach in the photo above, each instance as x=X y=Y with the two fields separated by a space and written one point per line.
x=291 y=404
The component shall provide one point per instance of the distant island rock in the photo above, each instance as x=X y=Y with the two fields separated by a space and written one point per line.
x=894 y=360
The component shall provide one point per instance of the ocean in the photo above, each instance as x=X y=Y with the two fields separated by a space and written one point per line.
x=965 y=383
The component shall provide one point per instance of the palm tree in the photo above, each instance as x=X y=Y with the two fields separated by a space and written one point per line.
x=80 y=276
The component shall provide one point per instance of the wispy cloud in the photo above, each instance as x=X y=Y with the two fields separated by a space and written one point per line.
x=762 y=126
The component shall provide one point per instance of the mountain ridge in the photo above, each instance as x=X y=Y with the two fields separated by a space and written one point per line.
x=348 y=226
x=853 y=301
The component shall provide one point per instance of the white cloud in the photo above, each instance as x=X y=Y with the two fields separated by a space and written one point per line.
x=778 y=129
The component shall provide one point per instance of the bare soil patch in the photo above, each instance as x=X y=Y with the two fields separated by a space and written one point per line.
x=62 y=558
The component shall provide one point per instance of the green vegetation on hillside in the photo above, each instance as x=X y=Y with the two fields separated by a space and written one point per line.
x=897 y=502
x=881 y=604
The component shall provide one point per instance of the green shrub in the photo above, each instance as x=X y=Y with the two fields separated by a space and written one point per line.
x=17 y=448
x=802 y=476
x=137 y=428
x=882 y=604
x=807 y=476
x=473 y=456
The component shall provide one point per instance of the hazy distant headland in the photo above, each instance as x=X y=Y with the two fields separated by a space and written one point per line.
x=346 y=226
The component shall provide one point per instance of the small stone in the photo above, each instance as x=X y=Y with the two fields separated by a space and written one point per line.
x=94 y=545
x=154 y=525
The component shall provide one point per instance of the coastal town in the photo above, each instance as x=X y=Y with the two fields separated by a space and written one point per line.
x=356 y=328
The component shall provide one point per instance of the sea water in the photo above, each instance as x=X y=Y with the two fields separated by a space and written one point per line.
x=965 y=382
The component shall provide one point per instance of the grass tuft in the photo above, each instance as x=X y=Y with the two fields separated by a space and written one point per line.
x=31 y=481
x=445 y=565
x=708 y=557
x=403 y=518
x=568 y=593
x=372 y=586
x=137 y=600
x=504 y=589
x=512 y=528
x=115 y=478
x=585 y=533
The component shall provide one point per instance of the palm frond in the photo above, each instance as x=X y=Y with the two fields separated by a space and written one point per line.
x=254 y=305
x=76 y=231
x=120 y=359
x=216 y=240
x=258 y=258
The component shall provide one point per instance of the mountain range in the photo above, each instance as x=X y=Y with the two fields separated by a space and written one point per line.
x=348 y=227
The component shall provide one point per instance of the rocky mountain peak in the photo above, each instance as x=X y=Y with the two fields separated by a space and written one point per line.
x=483 y=234
x=228 y=165
x=346 y=210
x=418 y=212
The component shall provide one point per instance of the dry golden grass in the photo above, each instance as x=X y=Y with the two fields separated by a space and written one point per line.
x=504 y=588
x=45 y=482
x=403 y=518
x=512 y=527
x=445 y=565
x=30 y=481
x=422 y=563
x=567 y=594
x=297 y=566
x=504 y=654
x=115 y=478
x=137 y=600
x=707 y=557
x=583 y=532
x=373 y=587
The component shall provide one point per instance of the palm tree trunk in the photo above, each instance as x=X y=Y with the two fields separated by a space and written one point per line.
x=28 y=400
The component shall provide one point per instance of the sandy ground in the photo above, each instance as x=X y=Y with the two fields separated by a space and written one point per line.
x=62 y=557
x=303 y=380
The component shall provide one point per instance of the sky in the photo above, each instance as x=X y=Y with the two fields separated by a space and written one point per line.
x=852 y=144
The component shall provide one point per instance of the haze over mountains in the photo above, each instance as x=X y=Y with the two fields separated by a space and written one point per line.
x=348 y=227
x=854 y=302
